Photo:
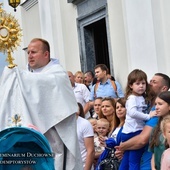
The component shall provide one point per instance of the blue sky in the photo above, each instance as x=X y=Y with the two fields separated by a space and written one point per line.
x=2 y=62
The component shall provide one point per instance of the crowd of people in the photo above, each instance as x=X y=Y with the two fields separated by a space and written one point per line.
x=134 y=116
x=115 y=128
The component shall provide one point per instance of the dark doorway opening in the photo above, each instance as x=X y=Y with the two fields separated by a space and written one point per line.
x=96 y=44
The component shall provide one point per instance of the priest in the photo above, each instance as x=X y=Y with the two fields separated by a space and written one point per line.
x=42 y=96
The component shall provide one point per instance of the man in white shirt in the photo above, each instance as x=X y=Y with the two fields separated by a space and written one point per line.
x=85 y=135
x=81 y=93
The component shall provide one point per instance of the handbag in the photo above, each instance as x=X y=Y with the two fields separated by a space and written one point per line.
x=109 y=163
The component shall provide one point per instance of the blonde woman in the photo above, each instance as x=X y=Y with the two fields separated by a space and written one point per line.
x=79 y=77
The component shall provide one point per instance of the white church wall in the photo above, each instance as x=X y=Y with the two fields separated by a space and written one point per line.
x=59 y=27
x=161 y=15
x=140 y=37
x=118 y=41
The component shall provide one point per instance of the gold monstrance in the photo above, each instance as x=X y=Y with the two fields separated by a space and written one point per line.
x=10 y=35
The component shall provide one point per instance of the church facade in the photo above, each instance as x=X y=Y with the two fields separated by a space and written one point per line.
x=123 y=34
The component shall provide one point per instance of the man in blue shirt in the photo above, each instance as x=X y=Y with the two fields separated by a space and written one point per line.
x=159 y=83
x=105 y=86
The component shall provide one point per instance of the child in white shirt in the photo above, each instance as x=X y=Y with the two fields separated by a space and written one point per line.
x=137 y=104
x=102 y=129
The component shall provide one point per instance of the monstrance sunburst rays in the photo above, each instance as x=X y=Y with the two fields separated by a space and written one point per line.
x=10 y=35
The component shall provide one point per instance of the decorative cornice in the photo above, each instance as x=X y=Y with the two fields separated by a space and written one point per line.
x=29 y=4
x=75 y=1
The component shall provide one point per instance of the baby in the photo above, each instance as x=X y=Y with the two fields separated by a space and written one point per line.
x=102 y=129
